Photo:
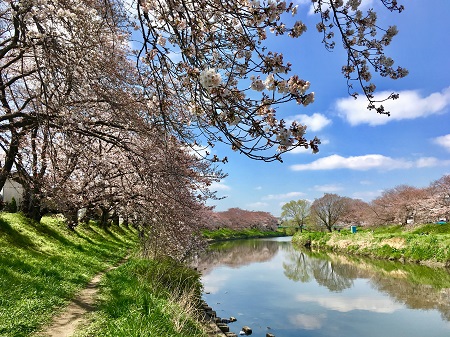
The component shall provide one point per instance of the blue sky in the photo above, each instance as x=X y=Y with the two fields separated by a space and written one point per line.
x=362 y=153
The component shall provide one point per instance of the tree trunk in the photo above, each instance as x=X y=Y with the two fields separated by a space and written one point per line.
x=115 y=220
x=71 y=218
x=9 y=159
x=125 y=221
x=104 y=218
x=31 y=206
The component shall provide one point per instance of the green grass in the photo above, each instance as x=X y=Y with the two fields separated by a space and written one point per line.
x=42 y=266
x=301 y=239
x=432 y=229
x=429 y=243
x=148 y=298
x=230 y=234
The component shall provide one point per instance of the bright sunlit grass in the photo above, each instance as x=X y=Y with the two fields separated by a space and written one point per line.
x=43 y=264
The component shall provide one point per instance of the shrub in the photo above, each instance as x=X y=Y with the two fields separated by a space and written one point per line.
x=12 y=206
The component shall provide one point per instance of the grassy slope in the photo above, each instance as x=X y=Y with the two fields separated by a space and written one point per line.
x=43 y=264
x=429 y=244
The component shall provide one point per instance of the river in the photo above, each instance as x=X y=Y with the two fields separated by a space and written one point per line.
x=270 y=286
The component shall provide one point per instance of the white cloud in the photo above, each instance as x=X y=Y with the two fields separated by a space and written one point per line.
x=307 y=322
x=365 y=4
x=330 y=188
x=427 y=162
x=289 y=195
x=219 y=186
x=315 y=123
x=367 y=195
x=367 y=162
x=341 y=304
x=360 y=163
x=443 y=141
x=258 y=205
x=299 y=149
x=410 y=105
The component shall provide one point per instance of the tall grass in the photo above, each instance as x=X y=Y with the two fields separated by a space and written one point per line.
x=42 y=266
x=148 y=298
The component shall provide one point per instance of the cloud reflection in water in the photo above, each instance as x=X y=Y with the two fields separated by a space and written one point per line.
x=341 y=304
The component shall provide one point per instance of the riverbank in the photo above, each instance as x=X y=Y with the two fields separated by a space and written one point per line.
x=224 y=234
x=425 y=244
x=45 y=265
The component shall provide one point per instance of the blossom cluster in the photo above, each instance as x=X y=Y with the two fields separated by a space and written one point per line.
x=298 y=29
x=284 y=138
x=354 y=4
x=210 y=79
x=294 y=85
x=273 y=62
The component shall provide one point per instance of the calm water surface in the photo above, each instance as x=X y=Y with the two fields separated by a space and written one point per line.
x=272 y=287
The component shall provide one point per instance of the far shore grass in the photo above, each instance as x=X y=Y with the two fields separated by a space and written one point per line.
x=223 y=234
x=426 y=244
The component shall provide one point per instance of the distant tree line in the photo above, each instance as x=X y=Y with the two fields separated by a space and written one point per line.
x=236 y=218
x=402 y=204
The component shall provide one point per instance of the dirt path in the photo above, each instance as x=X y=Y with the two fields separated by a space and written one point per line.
x=65 y=324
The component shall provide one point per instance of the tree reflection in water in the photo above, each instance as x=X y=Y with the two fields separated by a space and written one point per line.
x=302 y=267
x=237 y=253
x=416 y=286
x=267 y=282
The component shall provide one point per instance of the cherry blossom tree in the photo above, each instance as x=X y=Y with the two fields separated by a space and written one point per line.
x=236 y=218
x=440 y=191
x=357 y=212
x=53 y=58
x=400 y=204
x=157 y=186
x=103 y=100
x=210 y=57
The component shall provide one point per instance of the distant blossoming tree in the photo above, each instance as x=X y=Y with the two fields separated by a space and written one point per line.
x=402 y=204
x=440 y=193
x=236 y=218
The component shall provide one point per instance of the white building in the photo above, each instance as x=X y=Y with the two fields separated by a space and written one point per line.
x=12 y=189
